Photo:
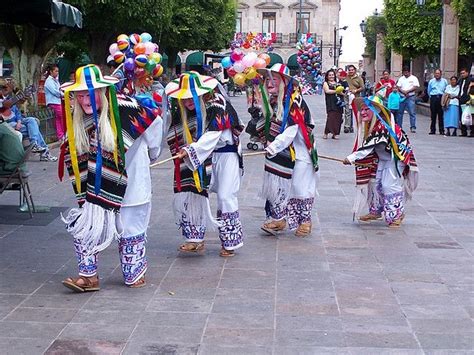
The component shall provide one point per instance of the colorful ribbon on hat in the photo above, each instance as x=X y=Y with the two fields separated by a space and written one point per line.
x=91 y=73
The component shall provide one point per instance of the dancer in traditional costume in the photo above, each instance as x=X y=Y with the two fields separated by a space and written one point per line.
x=388 y=173
x=291 y=166
x=204 y=122
x=107 y=153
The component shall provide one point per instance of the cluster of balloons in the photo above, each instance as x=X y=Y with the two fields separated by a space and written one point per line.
x=243 y=66
x=309 y=57
x=138 y=54
x=253 y=40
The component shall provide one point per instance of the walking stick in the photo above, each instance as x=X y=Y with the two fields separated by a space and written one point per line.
x=163 y=161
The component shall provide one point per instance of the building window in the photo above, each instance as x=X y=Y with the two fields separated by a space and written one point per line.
x=238 y=24
x=304 y=22
x=269 y=22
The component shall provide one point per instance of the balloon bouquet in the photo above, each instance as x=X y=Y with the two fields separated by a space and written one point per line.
x=309 y=60
x=242 y=67
x=138 y=56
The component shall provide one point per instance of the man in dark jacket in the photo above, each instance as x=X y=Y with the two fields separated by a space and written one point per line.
x=464 y=98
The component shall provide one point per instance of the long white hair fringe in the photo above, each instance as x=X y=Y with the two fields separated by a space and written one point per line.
x=193 y=208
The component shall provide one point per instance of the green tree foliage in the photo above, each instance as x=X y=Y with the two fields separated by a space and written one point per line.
x=410 y=34
x=465 y=12
x=199 y=25
x=375 y=24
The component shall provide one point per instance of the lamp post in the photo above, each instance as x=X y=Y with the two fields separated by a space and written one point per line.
x=335 y=54
x=363 y=27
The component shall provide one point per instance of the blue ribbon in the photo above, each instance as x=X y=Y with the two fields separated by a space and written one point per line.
x=199 y=123
x=98 y=163
x=286 y=107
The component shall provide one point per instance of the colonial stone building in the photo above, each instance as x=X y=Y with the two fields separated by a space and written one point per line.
x=282 y=17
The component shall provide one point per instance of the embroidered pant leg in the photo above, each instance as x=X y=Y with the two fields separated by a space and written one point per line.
x=191 y=210
x=226 y=183
x=393 y=195
x=132 y=248
x=87 y=264
x=303 y=190
x=375 y=194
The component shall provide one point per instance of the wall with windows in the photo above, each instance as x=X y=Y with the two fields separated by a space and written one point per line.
x=318 y=17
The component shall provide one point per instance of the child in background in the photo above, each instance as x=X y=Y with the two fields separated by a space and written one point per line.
x=394 y=100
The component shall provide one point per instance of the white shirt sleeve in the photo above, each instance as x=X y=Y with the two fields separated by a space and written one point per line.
x=283 y=140
x=359 y=154
x=199 y=151
x=153 y=137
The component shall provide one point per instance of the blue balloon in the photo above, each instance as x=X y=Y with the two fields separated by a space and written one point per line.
x=226 y=62
x=146 y=37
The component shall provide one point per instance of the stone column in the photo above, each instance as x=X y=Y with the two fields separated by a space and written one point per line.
x=379 y=57
x=368 y=67
x=449 y=41
x=418 y=69
x=396 y=63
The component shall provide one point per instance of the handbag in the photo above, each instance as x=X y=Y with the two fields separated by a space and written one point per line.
x=466 y=116
x=445 y=99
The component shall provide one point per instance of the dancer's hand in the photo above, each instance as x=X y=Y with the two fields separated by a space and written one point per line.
x=346 y=161
x=182 y=154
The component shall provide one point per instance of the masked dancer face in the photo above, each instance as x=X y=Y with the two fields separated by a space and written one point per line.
x=273 y=84
x=84 y=99
x=189 y=104
x=366 y=114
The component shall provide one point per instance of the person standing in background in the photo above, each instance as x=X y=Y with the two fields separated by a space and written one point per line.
x=356 y=87
x=333 y=110
x=408 y=84
x=53 y=99
x=464 y=98
x=385 y=85
x=436 y=88
x=451 y=116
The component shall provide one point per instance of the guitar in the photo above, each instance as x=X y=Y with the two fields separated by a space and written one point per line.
x=19 y=96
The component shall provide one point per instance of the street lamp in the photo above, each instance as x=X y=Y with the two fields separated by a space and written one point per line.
x=422 y=3
x=336 y=55
x=363 y=27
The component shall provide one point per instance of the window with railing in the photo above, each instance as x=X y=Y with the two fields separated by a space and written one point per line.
x=269 y=22
x=303 y=23
x=238 y=22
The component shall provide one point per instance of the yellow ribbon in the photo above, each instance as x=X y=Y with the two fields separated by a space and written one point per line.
x=114 y=129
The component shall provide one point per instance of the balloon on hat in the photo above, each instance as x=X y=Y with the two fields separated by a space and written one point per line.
x=237 y=55
x=141 y=60
x=156 y=57
x=231 y=72
x=249 y=59
x=135 y=38
x=113 y=48
x=119 y=57
x=145 y=37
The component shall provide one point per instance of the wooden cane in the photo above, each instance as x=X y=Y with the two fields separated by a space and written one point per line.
x=163 y=161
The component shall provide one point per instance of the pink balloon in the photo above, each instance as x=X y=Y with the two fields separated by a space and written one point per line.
x=113 y=48
x=149 y=47
x=249 y=60
x=239 y=67
x=236 y=55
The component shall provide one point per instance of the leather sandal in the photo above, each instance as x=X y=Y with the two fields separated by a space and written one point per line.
x=395 y=224
x=369 y=217
x=191 y=247
x=273 y=226
x=303 y=230
x=139 y=283
x=82 y=284
x=226 y=253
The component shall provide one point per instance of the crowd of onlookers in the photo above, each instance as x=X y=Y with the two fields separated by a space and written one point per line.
x=451 y=103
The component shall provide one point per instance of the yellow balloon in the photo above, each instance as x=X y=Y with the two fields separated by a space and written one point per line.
x=251 y=73
x=339 y=89
x=239 y=79
x=156 y=57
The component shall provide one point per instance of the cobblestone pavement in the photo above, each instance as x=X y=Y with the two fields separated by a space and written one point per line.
x=347 y=289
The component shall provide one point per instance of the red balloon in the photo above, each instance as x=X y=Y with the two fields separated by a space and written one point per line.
x=231 y=72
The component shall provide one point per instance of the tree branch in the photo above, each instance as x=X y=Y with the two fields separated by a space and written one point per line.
x=48 y=38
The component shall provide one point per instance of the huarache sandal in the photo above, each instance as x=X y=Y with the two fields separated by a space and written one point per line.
x=370 y=217
x=274 y=226
x=82 y=284
x=303 y=230
x=226 y=253
x=191 y=247
x=139 y=283
x=395 y=224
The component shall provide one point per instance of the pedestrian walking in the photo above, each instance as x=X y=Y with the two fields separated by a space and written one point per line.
x=222 y=128
x=53 y=97
x=451 y=114
x=436 y=88
x=320 y=78
x=391 y=175
x=407 y=85
x=334 y=96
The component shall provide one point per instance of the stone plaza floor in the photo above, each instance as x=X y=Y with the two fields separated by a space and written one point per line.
x=346 y=289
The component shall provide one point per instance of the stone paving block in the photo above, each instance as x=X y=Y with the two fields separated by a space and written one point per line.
x=166 y=334
x=81 y=346
x=310 y=350
x=24 y=346
x=442 y=326
x=184 y=292
x=257 y=279
x=376 y=325
x=173 y=319
x=212 y=349
x=179 y=305
x=245 y=293
x=235 y=336
x=150 y=347
x=24 y=329
x=233 y=319
x=446 y=341
x=370 y=309
x=435 y=311
x=381 y=340
x=244 y=306
x=68 y=301
x=49 y=315
x=296 y=338
x=308 y=322
x=114 y=304
x=107 y=318
x=96 y=331
x=29 y=282
x=384 y=351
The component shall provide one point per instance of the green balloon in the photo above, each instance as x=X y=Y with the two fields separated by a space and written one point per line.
x=150 y=65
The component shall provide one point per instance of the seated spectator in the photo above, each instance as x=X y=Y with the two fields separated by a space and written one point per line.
x=11 y=151
x=27 y=126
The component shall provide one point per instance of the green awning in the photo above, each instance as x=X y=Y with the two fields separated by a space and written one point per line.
x=196 y=58
x=292 y=62
x=274 y=59
x=40 y=13
x=164 y=61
